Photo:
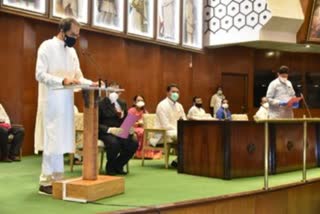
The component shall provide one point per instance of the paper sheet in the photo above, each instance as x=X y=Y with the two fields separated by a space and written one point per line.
x=127 y=124
x=293 y=100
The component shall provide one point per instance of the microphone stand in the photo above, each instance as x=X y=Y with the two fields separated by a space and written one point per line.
x=306 y=105
x=95 y=64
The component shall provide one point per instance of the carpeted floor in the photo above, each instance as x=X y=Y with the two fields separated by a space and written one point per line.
x=145 y=186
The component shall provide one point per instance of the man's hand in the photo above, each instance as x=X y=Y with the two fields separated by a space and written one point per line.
x=70 y=81
x=283 y=103
x=295 y=105
x=115 y=131
x=131 y=131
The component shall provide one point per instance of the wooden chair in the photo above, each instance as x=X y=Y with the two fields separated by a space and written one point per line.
x=239 y=117
x=149 y=131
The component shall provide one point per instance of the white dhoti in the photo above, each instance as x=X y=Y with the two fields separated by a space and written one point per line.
x=52 y=169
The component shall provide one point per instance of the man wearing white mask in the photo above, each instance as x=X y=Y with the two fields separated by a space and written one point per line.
x=57 y=66
x=216 y=100
x=263 y=112
x=112 y=112
x=279 y=93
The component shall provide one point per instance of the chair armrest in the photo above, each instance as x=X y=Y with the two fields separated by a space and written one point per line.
x=155 y=129
x=17 y=125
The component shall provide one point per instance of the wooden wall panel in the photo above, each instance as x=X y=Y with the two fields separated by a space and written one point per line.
x=140 y=68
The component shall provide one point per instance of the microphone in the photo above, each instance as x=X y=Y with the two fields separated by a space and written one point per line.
x=306 y=105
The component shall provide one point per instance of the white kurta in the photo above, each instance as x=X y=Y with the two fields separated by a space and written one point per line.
x=262 y=113
x=215 y=103
x=196 y=113
x=279 y=91
x=54 y=133
x=168 y=113
x=3 y=115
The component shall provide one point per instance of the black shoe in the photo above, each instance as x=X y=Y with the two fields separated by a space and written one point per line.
x=174 y=164
x=111 y=172
x=45 y=190
x=14 y=158
x=6 y=160
x=121 y=172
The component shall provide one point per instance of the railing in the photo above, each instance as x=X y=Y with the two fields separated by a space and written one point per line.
x=304 y=121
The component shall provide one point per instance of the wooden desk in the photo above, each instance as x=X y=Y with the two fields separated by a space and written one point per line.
x=236 y=149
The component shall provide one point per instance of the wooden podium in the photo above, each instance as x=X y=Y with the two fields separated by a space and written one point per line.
x=91 y=186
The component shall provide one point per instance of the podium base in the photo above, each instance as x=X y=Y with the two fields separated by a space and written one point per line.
x=79 y=190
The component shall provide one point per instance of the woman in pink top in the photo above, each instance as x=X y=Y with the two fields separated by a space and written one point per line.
x=138 y=109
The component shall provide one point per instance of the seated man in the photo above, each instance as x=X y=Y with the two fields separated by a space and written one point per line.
x=168 y=112
x=11 y=154
x=196 y=112
x=263 y=112
x=112 y=112
x=224 y=113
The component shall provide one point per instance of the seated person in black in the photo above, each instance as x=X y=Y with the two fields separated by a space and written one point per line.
x=112 y=112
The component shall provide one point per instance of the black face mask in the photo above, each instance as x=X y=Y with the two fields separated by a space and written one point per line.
x=69 y=41
x=199 y=105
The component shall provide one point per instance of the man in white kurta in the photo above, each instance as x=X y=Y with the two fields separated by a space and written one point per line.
x=263 y=112
x=168 y=112
x=57 y=65
x=196 y=112
x=216 y=100
x=279 y=92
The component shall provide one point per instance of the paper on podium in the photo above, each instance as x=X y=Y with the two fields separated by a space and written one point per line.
x=293 y=100
x=130 y=120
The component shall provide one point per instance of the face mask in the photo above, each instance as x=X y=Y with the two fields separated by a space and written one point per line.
x=175 y=96
x=284 y=80
x=140 y=104
x=69 y=41
x=113 y=97
x=225 y=106
x=265 y=105
x=219 y=92
x=199 y=105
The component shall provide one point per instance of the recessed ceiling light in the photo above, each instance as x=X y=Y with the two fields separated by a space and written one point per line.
x=308 y=46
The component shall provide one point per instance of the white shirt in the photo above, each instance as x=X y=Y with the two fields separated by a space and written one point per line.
x=215 y=102
x=54 y=132
x=262 y=113
x=279 y=91
x=196 y=113
x=3 y=115
x=168 y=113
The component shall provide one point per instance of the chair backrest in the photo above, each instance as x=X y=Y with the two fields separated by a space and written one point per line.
x=149 y=120
x=78 y=121
x=240 y=117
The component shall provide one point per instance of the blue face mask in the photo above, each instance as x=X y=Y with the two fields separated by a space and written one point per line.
x=174 y=96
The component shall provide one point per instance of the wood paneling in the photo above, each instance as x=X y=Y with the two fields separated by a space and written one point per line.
x=141 y=68
x=223 y=149
x=290 y=199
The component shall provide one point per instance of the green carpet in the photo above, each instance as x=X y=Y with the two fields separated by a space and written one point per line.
x=145 y=186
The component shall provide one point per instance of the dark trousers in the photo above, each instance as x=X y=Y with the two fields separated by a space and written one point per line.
x=14 y=148
x=119 y=151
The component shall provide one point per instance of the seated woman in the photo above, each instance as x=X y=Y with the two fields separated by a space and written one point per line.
x=223 y=112
x=138 y=109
